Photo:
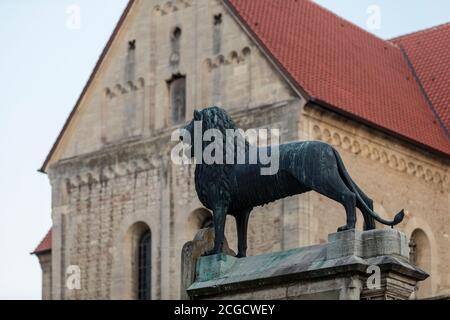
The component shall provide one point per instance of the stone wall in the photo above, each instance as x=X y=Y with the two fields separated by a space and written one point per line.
x=111 y=173
x=112 y=167
x=45 y=260
x=395 y=175
x=101 y=196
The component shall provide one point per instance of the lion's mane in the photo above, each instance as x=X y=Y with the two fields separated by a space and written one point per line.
x=217 y=118
x=208 y=177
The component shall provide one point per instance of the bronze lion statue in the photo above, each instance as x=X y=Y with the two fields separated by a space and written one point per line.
x=235 y=189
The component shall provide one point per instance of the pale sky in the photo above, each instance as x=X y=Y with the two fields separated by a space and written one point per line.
x=45 y=60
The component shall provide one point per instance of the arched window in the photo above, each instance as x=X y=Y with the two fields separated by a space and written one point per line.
x=420 y=255
x=145 y=267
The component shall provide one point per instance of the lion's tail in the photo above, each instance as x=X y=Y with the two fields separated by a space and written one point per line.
x=398 y=217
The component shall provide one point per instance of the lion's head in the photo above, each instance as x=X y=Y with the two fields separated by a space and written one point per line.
x=210 y=118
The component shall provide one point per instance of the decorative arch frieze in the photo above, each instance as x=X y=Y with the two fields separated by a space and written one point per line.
x=170 y=7
x=100 y=174
x=376 y=152
x=234 y=57
x=124 y=88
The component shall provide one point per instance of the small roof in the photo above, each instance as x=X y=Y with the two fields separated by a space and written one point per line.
x=45 y=245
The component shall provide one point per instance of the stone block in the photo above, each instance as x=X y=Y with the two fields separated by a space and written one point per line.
x=192 y=250
x=215 y=266
x=344 y=244
x=384 y=242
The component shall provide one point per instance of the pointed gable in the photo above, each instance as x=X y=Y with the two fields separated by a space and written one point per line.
x=127 y=97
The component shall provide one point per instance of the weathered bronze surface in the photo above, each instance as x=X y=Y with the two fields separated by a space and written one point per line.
x=235 y=189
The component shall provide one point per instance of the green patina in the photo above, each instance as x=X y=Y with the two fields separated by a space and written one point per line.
x=219 y=274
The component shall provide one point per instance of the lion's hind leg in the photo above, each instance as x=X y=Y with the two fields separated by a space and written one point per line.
x=332 y=186
x=369 y=221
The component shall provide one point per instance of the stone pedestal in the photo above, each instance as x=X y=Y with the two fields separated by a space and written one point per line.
x=192 y=250
x=353 y=265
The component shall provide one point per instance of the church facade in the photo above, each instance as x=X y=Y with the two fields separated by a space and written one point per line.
x=122 y=210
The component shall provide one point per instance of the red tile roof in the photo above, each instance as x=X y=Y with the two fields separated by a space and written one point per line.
x=346 y=69
x=429 y=53
x=45 y=245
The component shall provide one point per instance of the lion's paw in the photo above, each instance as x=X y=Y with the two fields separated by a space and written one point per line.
x=345 y=228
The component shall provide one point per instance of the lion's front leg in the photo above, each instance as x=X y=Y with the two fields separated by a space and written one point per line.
x=242 y=225
x=219 y=218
